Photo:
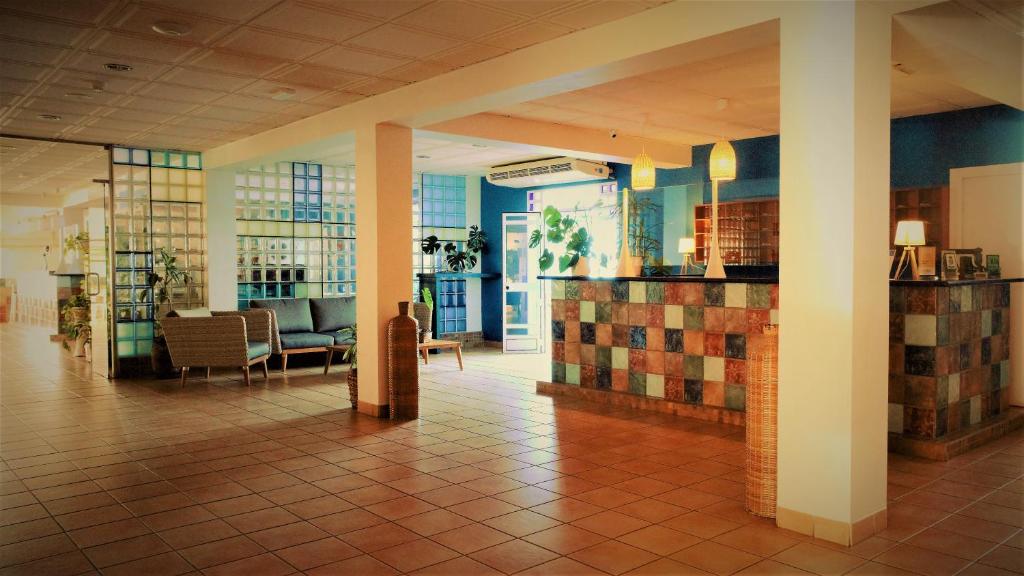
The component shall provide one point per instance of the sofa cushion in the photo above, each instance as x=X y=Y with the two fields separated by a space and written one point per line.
x=257 y=349
x=305 y=340
x=330 y=314
x=292 y=315
x=194 y=313
x=340 y=337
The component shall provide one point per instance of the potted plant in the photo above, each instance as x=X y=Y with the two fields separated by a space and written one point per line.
x=424 y=313
x=458 y=260
x=643 y=241
x=557 y=228
x=351 y=355
x=160 y=356
x=79 y=244
x=76 y=325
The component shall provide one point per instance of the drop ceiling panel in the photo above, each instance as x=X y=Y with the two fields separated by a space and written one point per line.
x=374 y=8
x=93 y=64
x=318 y=77
x=11 y=50
x=234 y=10
x=20 y=71
x=207 y=80
x=117 y=45
x=82 y=11
x=526 y=35
x=313 y=22
x=180 y=93
x=33 y=29
x=275 y=45
x=359 y=61
x=460 y=19
x=393 y=39
x=139 y=19
x=238 y=64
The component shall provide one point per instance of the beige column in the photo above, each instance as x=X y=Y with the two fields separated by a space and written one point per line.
x=833 y=343
x=383 y=249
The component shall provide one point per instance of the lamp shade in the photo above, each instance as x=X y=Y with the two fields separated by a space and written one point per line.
x=642 y=176
x=909 y=233
x=687 y=246
x=722 y=165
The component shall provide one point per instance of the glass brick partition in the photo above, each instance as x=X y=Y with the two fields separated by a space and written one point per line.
x=439 y=209
x=158 y=203
x=296 y=231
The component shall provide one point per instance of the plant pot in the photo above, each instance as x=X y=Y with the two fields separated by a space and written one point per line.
x=425 y=317
x=78 y=315
x=582 y=267
x=78 y=346
x=353 y=387
x=160 y=359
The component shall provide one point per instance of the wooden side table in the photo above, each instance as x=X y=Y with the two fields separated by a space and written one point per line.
x=426 y=347
x=330 y=353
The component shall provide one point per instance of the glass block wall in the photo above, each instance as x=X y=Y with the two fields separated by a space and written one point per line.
x=159 y=200
x=296 y=231
x=439 y=209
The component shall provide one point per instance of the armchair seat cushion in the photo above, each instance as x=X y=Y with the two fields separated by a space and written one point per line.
x=305 y=340
x=340 y=337
x=257 y=349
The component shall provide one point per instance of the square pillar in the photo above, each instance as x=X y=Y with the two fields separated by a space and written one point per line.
x=383 y=250
x=833 y=341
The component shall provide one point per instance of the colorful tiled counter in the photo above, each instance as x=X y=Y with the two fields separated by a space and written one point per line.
x=675 y=344
x=949 y=365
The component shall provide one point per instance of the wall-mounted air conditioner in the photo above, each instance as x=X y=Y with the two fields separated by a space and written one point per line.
x=548 y=171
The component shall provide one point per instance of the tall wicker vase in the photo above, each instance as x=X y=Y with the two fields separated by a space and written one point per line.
x=403 y=365
x=353 y=387
x=425 y=316
x=762 y=422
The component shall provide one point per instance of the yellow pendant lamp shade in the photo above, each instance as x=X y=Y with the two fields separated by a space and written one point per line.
x=642 y=177
x=723 y=161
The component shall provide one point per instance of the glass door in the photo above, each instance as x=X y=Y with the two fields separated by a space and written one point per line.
x=523 y=297
x=97 y=285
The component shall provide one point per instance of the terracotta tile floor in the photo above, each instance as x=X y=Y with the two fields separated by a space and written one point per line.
x=143 y=477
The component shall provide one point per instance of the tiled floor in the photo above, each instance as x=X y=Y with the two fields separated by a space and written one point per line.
x=144 y=477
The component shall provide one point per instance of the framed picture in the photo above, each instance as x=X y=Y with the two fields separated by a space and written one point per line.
x=992 y=265
x=966 y=264
x=926 y=261
x=950 y=266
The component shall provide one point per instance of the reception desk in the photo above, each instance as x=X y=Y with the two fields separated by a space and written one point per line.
x=675 y=344
x=949 y=365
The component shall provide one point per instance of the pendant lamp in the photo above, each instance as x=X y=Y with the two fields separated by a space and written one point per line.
x=721 y=167
x=642 y=176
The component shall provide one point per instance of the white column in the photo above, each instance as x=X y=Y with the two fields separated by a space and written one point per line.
x=383 y=249
x=834 y=192
x=221 y=239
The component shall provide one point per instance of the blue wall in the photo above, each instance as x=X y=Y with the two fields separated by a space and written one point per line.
x=923 y=150
x=494 y=201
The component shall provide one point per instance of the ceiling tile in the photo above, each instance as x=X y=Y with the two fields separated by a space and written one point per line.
x=89 y=63
x=251 y=41
x=252 y=103
x=62 y=106
x=418 y=71
x=335 y=99
x=376 y=86
x=459 y=19
x=222 y=61
x=208 y=80
x=317 y=76
x=235 y=10
x=37 y=30
x=119 y=45
x=82 y=11
x=532 y=8
x=375 y=8
x=34 y=54
x=526 y=35
x=168 y=107
x=180 y=93
x=265 y=89
x=22 y=71
x=394 y=39
x=140 y=19
x=361 y=61
x=592 y=14
x=467 y=54
x=309 y=21
x=226 y=113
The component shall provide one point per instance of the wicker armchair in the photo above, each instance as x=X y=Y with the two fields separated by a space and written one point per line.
x=225 y=339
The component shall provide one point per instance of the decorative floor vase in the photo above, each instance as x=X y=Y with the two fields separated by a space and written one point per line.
x=353 y=387
x=403 y=365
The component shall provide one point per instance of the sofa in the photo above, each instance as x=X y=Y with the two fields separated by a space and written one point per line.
x=304 y=325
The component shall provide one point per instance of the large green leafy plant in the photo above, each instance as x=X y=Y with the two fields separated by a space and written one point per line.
x=172 y=276
x=557 y=228
x=458 y=260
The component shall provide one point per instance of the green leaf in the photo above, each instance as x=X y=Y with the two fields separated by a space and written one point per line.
x=546 y=260
x=566 y=261
x=552 y=217
x=556 y=235
x=535 y=238
x=430 y=245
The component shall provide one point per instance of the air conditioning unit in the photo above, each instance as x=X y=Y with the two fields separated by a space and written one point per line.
x=548 y=171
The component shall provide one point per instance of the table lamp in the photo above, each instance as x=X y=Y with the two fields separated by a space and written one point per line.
x=909 y=233
x=687 y=247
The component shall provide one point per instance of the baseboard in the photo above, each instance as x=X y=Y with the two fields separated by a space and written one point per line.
x=835 y=531
x=375 y=410
x=623 y=400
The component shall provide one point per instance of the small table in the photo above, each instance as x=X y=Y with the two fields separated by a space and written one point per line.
x=426 y=347
x=330 y=353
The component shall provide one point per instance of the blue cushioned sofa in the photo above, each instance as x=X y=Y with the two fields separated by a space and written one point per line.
x=304 y=325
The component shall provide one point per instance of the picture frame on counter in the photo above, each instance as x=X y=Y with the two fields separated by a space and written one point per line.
x=968 y=262
x=950 y=265
x=992 y=265
x=926 y=262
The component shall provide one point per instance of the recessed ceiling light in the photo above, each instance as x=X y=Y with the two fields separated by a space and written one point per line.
x=172 y=28
x=118 y=67
x=282 y=93
x=48 y=117
x=423 y=156
x=79 y=95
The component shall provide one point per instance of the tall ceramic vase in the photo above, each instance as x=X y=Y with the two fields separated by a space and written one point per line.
x=403 y=365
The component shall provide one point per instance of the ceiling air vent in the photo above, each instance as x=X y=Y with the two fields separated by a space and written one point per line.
x=549 y=171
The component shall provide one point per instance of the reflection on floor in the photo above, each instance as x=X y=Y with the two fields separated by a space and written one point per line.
x=144 y=477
